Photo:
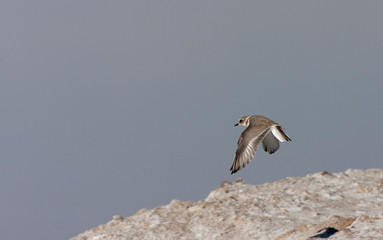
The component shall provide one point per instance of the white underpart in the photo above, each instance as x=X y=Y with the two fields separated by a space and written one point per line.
x=277 y=134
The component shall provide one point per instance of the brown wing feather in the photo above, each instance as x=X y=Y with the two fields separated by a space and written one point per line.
x=247 y=147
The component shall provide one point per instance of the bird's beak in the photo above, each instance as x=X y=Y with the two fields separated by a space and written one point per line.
x=235 y=124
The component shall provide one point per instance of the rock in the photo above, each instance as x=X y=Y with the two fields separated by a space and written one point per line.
x=345 y=205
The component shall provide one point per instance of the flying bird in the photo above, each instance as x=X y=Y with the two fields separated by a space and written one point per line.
x=258 y=129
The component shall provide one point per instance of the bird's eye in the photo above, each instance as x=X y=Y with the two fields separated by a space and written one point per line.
x=241 y=121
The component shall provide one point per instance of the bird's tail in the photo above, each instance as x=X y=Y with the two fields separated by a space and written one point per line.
x=282 y=136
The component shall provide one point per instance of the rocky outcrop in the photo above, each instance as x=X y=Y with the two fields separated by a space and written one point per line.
x=346 y=205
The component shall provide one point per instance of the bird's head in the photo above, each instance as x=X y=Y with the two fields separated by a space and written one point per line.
x=243 y=121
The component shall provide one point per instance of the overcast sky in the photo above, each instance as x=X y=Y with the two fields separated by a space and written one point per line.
x=108 y=107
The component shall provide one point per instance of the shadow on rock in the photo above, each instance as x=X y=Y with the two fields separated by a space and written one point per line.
x=327 y=233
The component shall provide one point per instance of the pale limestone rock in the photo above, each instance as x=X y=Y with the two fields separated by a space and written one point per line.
x=345 y=205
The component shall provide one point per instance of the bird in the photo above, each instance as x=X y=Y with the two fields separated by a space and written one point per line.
x=258 y=129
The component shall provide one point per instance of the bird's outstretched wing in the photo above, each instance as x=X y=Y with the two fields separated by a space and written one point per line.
x=270 y=143
x=248 y=144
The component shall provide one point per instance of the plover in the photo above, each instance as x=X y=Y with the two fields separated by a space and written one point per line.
x=258 y=129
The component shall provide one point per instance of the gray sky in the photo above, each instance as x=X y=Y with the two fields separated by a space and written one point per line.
x=110 y=107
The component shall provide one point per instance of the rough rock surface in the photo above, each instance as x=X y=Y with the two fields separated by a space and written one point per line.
x=345 y=205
